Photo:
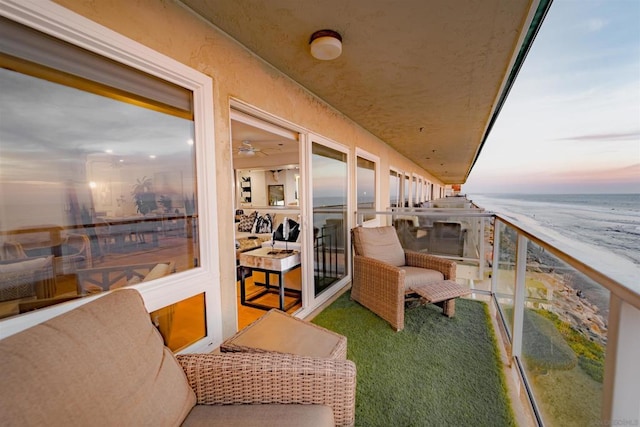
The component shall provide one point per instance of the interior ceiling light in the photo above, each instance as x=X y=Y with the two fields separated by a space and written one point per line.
x=325 y=45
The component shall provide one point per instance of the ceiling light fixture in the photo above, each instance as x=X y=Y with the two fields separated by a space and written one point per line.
x=325 y=45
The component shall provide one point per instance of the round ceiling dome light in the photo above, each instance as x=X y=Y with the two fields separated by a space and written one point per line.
x=325 y=45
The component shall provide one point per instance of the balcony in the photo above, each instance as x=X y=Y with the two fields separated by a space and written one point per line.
x=565 y=325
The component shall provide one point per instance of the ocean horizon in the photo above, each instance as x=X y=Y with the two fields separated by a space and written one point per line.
x=602 y=230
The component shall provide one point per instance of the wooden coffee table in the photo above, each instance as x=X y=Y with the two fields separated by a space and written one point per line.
x=270 y=261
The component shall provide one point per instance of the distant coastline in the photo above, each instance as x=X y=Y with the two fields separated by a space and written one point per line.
x=608 y=221
x=600 y=229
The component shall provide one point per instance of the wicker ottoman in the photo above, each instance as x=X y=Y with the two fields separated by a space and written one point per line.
x=279 y=332
x=443 y=294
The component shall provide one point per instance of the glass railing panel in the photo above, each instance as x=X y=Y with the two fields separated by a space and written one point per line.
x=505 y=279
x=564 y=339
x=462 y=235
x=448 y=235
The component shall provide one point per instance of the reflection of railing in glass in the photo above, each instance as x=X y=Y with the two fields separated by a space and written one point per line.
x=91 y=209
x=325 y=257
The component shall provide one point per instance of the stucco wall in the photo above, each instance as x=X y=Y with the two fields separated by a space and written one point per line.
x=173 y=30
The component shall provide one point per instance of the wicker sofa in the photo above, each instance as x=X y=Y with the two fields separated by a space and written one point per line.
x=104 y=363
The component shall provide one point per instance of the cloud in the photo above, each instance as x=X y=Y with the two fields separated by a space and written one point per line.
x=635 y=135
x=611 y=175
x=586 y=180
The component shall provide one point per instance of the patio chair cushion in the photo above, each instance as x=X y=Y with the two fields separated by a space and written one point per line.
x=280 y=332
x=21 y=266
x=416 y=276
x=260 y=416
x=380 y=243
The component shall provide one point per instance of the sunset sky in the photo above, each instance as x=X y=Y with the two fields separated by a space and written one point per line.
x=571 y=123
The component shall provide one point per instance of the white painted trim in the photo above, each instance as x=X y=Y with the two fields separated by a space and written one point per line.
x=420 y=189
x=376 y=160
x=398 y=172
x=61 y=23
x=311 y=301
x=621 y=387
x=253 y=116
x=245 y=109
x=260 y=118
x=262 y=124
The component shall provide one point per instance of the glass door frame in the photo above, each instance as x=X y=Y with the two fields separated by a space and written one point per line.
x=310 y=300
x=250 y=115
x=306 y=138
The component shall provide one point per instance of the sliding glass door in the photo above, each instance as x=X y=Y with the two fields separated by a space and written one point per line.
x=329 y=180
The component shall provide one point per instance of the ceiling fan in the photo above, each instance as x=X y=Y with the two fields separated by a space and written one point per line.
x=246 y=149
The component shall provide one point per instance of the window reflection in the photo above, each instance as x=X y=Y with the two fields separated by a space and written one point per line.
x=366 y=186
x=394 y=189
x=91 y=189
x=182 y=323
x=330 y=182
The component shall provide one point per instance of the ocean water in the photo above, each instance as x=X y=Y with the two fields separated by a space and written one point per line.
x=602 y=230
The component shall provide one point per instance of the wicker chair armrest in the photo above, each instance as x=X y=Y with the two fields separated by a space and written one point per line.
x=380 y=273
x=422 y=260
x=262 y=378
x=381 y=288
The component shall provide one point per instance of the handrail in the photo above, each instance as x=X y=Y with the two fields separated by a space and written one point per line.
x=438 y=212
x=629 y=295
x=623 y=291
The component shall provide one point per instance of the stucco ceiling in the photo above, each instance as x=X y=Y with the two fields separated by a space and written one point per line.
x=424 y=76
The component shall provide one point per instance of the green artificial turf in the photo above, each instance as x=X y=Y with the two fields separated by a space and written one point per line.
x=436 y=372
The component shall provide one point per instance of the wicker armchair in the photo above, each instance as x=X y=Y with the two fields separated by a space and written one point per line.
x=27 y=277
x=94 y=280
x=384 y=275
x=273 y=378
